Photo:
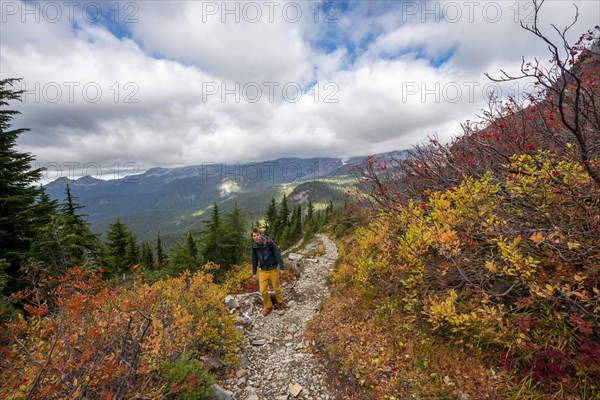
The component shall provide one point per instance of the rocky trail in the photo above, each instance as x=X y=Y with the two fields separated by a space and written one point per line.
x=277 y=360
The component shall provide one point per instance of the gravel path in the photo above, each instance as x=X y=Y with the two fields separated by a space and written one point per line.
x=276 y=360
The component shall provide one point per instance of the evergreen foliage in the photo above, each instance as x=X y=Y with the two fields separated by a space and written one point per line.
x=234 y=236
x=119 y=249
x=23 y=207
x=65 y=240
x=211 y=238
x=282 y=222
x=161 y=257
x=147 y=257
x=271 y=219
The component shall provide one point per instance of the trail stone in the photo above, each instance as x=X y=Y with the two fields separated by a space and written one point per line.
x=295 y=389
x=221 y=393
x=241 y=373
x=231 y=302
x=295 y=256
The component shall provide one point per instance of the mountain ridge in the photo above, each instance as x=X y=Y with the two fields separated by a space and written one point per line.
x=174 y=199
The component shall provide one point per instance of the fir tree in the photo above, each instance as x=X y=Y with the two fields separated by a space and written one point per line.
x=271 y=219
x=185 y=256
x=47 y=206
x=235 y=241
x=283 y=216
x=117 y=248
x=192 y=247
x=310 y=210
x=21 y=212
x=211 y=238
x=295 y=231
x=161 y=257
x=64 y=241
x=147 y=256
x=132 y=252
x=69 y=207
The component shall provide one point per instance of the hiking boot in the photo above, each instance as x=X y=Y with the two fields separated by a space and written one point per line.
x=280 y=308
x=266 y=311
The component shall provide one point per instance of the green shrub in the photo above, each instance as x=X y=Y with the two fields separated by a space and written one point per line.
x=187 y=378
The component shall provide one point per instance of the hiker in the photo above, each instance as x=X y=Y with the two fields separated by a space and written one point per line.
x=266 y=256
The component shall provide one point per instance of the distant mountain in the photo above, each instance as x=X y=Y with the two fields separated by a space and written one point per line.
x=173 y=200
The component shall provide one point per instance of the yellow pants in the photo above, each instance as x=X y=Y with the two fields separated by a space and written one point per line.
x=263 y=286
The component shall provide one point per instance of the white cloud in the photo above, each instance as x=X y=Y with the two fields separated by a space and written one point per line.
x=369 y=77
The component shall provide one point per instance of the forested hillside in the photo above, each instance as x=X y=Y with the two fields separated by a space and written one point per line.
x=172 y=201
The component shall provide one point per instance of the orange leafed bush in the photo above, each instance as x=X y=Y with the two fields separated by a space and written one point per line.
x=90 y=340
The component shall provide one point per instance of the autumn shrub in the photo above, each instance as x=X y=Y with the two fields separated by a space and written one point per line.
x=238 y=279
x=486 y=248
x=187 y=379
x=373 y=331
x=489 y=272
x=98 y=341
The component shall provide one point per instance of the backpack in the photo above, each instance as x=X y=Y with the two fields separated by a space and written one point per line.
x=270 y=245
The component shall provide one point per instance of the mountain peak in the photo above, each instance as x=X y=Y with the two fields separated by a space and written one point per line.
x=88 y=180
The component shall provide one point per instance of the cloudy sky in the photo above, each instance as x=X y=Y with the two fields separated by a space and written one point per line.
x=138 y=84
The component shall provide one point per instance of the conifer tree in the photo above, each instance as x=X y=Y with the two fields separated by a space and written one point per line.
x=295 y=231
x=22 y=213
x=211 y=238
x=192 y=247
x=117 y=248
x=235 y=237
x=82 y=246
x=47 y=207
x=309 y=212
x=147 y=256
x=161 y=257
x=271 y=219
x=68 y=208
x=283 y=216
x=132 y=252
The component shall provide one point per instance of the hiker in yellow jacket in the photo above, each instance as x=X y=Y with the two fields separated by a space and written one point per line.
x=265 y=258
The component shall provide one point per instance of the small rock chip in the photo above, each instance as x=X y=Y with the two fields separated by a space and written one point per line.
x=295 y=389
x=241 y=373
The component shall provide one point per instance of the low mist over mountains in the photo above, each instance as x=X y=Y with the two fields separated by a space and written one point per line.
x=173 y=200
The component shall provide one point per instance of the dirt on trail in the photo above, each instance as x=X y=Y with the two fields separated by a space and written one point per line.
x=277 y=359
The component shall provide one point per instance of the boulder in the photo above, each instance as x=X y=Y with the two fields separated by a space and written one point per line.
x=231 y=302
x=295 y=256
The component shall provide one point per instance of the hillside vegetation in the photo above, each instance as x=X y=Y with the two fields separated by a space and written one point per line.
x=467 y=270
x=475 y=273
